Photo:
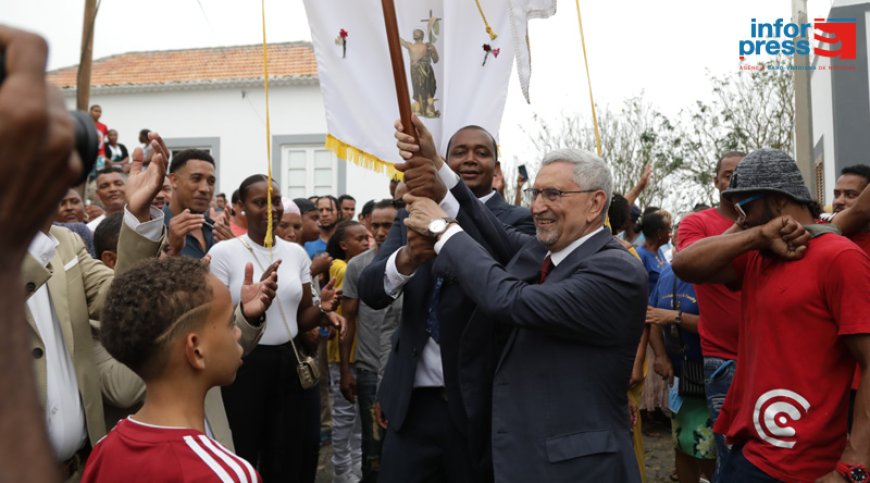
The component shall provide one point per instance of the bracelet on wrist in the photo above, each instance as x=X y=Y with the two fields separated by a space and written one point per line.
x=325 y=321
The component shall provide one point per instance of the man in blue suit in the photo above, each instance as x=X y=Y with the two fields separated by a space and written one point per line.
x=430 y=434
x=574 y=301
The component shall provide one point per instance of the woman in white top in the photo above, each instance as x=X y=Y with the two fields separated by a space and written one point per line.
x=266 y=404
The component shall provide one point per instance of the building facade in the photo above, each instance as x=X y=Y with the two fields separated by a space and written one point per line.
x=840 y=91
x=214 y=99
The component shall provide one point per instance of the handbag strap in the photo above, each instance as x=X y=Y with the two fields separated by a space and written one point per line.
x=277 y=300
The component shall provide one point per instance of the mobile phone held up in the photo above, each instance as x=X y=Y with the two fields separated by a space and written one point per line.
x=523 y=172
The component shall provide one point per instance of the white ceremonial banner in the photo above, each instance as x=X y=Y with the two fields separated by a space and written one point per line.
x=456 y=74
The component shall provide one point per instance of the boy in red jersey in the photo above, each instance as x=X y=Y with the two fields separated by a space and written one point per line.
x=172 y=323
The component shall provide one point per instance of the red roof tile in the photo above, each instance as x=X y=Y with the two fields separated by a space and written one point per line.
x=286 y=60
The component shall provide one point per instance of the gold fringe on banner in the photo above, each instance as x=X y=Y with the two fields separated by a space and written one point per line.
x=360 y=158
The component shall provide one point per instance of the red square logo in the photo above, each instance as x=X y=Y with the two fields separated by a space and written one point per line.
x=838 y=31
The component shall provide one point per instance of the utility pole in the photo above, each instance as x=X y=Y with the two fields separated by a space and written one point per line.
x=803 y=120
x=83 y=80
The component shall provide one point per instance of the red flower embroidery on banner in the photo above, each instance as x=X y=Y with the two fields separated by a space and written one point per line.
x=489 y=50
x=342 y=41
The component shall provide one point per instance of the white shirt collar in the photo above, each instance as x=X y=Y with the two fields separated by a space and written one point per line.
x=562 y=254
x=485 y=198
x=43 y=247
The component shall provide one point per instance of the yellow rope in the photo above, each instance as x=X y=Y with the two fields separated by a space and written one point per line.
x=267 y=242
x=591 y=99
x=588 y=80
x=492 y=34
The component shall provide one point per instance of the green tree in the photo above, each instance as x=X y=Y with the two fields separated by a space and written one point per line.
x=749 y=110
x=631 y=137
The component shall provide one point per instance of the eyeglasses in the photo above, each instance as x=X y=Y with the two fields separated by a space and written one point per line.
x=740 y=204
x=551 y=194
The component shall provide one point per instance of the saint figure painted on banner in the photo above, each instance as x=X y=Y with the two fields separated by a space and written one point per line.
x=422 y=55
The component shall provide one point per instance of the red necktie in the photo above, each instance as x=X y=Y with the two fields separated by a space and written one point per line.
x=546 y=267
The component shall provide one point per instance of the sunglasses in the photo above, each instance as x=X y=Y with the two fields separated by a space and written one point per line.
x=740 y=204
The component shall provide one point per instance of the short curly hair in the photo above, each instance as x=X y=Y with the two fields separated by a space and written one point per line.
x=143 y=303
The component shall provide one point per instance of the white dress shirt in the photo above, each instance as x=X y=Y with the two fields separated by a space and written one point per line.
x=64 y=413
x=93 y=224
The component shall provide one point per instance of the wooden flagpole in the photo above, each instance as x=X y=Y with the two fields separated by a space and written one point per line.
x=397 y=60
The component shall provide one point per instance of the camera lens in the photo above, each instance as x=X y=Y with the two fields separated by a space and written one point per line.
x=86 y=140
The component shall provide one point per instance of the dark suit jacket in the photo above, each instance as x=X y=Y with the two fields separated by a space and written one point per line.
x=559 y=408
x=455 y=309
x=515 y=216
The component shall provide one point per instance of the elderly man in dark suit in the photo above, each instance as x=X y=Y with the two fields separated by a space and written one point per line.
x=574 y=301
x=430 y=436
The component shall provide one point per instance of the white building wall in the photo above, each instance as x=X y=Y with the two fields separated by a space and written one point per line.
x=823 y=121
x=236 y=116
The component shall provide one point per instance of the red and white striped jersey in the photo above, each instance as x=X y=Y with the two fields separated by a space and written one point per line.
x=135 y=451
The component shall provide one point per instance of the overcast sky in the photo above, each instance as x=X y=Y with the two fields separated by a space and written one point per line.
x=662 y=49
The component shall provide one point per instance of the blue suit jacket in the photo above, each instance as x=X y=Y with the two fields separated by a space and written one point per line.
x=455 y=309
x=558 y=392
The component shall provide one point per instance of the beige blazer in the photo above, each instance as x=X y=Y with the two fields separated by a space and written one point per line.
x=78 y=285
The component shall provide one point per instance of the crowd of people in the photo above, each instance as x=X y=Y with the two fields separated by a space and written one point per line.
x=442 y=333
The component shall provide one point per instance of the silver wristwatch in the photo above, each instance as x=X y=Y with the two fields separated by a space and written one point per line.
x=438 y=226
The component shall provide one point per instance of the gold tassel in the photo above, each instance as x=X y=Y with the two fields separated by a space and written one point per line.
x=489 y=30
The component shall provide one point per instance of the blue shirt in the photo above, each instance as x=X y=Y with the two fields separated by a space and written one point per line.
x=192 y=248
x=653 y=263
x=315 y=247
x=662 y=297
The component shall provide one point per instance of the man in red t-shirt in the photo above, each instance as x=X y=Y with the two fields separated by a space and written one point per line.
x=852 y=181
x=805 y=315
x=719 y=306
